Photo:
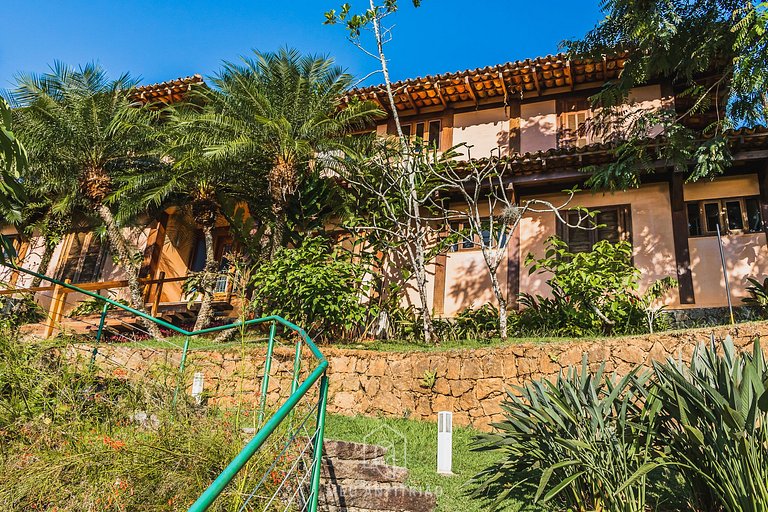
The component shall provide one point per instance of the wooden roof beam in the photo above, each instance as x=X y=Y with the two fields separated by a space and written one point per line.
x=440 y=94
x=535 y=71
x=504 y=87
x=569 y=71
x=407 y=92
x=470 y=90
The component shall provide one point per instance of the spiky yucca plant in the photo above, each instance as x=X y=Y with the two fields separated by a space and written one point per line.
x=584 y=440
x=715 y=422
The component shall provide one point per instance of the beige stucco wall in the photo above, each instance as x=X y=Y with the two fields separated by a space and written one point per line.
x=746 y=255
x=486 y=132
x=652 y=239
x=538 y=126
x=467 y=282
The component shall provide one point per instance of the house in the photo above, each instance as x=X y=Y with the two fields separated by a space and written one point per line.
x=531 y=112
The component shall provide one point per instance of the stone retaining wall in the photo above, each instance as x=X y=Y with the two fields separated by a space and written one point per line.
x=469 y=382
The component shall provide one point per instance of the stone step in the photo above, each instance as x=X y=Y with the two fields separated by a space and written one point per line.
x=339 y=471
x=347 y=450
x=342 y=498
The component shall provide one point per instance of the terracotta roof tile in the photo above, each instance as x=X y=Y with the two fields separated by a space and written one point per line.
x=166 y=92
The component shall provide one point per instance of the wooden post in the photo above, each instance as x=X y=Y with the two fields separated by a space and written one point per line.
x=158 y=293
x=680 y=237
x=56 y=308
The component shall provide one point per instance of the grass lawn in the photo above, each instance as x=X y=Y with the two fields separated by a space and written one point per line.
x=415 y=446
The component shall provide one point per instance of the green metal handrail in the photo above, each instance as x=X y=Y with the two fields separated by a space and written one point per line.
x=298 y=390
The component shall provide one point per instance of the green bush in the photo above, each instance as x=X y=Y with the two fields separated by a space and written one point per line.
x=716 y=426
x=758 y=296
x=593 y=292
x=314 y=287
x=584 y=442
x=20 y=310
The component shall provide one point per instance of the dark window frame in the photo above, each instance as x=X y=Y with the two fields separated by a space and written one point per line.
x=623 y=225
x=699 y=227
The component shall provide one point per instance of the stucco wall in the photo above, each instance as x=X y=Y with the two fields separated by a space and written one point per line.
x=746 y=255
x=471 y=383
x=652 y=239
x=538 y=126
x=485 y=131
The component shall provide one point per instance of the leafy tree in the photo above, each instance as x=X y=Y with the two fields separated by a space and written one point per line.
x=83 y=132
x=684 y=41
x=13 y=161
x=275 y=113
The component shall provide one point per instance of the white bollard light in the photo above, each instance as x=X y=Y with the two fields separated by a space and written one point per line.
x=444 y=442
x=197 y=387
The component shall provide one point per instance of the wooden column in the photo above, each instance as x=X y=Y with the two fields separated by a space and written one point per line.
x=514 y=127
x=680 y=235
x=513 y=269
x=438 y=294
x=56 y=309
x=762 y=178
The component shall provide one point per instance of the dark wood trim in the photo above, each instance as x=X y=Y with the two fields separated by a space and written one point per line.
x=680 y=236
x=514 y=128
x=513 y=270
x=762 y=179
x=154 y=249
x=438 y=292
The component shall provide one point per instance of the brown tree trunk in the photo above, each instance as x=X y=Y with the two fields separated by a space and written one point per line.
x=421 y=284
x=205 y=314
x=119 y=244
x=278 y=232
x=502 y=305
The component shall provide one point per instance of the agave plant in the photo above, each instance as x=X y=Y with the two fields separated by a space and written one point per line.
x=715 y=421
x=585 y=441
x=758 y=295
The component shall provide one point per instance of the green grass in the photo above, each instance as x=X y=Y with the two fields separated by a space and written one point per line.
x=415 y=447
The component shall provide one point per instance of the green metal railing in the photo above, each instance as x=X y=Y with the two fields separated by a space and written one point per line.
x=299 y=390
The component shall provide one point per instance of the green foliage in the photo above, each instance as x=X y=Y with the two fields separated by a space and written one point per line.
x=13 y=163
x=716 y=425
x=19 y=310
x=592 y=292
x=584 y=442
x=682 y=41
x=429 y=378
x=354 y=23
x=90 y=307
x=758 y=295
x=315 y=287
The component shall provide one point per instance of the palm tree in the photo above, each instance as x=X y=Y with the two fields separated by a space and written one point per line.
x=199 y=185
x=275 y=113
x=13 y=162
x=82 y=132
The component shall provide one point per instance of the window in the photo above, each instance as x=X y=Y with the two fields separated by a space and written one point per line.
x=573 y=129
x=732 y=215
x=613 y=224
x=428 y=131
x=467 y=241
x=85 y=255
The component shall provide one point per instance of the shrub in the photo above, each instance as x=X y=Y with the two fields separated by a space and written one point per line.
x=716 y=426
x=584 y=441
x=314 y=287
x=758 y=295
x=593 y=292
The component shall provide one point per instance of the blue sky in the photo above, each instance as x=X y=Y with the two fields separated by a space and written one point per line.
x=162 y=40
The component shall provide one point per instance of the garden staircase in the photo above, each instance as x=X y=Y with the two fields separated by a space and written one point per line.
x=356 y=478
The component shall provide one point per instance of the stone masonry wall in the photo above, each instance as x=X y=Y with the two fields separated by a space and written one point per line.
x=469 y=382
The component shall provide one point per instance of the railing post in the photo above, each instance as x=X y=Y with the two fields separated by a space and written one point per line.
x=56 y=308
x=101 y=321
x=158 y=294
x=267 y=368
x=296 y=365
x=319 y=436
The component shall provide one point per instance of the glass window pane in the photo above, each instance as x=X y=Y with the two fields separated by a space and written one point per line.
x=486 y=238
x=694 y=220
x=406 y=130
x=712 y=216
x=420 y=131
x=579 y=240
x=754 y=218
x=434 y=134
x=198 y=257
x=733 y=211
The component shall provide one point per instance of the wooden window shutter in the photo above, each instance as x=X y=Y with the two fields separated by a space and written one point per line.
x=92 y=260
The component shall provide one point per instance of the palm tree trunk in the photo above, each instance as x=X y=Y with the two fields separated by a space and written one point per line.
x=206 y=310
x=45 y=260
x=278 y=232
x=119 y=244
